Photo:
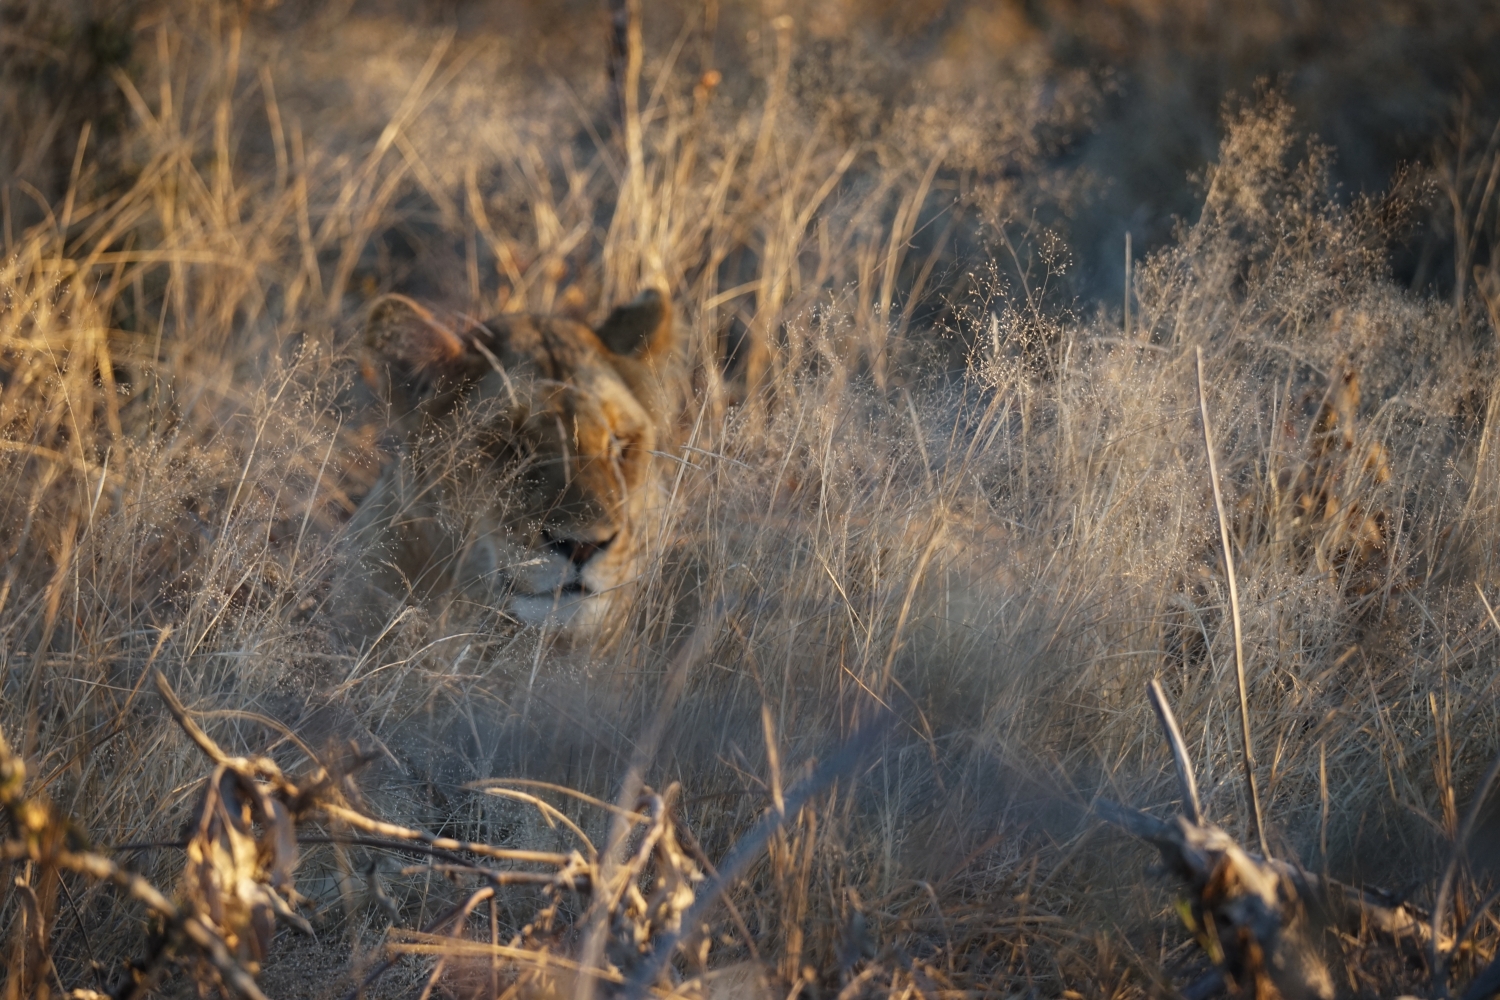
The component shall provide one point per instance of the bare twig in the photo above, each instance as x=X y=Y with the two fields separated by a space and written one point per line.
x=374 y=974
x=188 y=924
x=36 y=823
x=549 y=813
x=747 y=849
x=1486 y=984
x=1440 y=962
x=180 y=713
x=695 y=850
x=487 y=783
x=1476 y=917
x=1257 y=826
x=621 y=826
x=1179 y=750
x=362 y=822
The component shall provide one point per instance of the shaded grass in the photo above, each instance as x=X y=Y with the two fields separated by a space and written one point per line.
x=1001 y=553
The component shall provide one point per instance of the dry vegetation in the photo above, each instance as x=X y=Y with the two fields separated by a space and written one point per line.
x=933 y=530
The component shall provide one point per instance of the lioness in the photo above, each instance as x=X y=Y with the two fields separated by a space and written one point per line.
x=524 y=475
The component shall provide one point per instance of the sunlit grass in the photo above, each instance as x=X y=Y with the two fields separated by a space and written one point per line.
x=998 y=527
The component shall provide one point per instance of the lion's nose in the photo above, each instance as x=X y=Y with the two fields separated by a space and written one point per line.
x=577 y=551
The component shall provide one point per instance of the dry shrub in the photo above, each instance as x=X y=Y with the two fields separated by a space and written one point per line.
x=1000 y=555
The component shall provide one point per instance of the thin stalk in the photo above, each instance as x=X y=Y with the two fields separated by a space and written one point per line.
x=1257 y=826
x=1440 y=962
x=1180 y=759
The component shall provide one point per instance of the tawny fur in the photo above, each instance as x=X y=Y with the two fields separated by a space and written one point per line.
x=525 y=475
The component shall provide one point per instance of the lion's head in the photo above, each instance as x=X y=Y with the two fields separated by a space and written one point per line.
x=526 y=473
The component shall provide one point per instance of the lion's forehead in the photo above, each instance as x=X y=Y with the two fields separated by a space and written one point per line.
x=555 y=347
x=561 y=374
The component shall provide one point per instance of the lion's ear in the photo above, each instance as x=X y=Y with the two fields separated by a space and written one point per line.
x=417 y=347
x=641 y=328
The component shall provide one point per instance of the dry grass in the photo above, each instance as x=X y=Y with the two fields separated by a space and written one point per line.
x=942 y=495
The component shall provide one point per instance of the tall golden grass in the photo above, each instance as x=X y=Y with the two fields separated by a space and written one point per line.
x=996 y=526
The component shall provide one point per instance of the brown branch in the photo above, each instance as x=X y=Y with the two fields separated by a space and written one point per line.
x=180 y=713
x=362 y=822
x=189 y=925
